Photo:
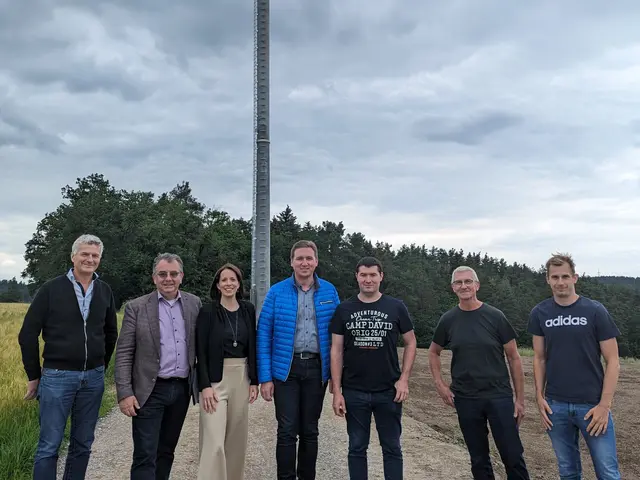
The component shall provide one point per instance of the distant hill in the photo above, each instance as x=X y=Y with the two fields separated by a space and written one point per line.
x=614 y=280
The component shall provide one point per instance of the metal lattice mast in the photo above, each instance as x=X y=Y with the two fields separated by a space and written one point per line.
x=261 y=241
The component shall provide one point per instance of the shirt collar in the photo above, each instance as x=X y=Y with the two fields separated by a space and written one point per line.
x=315 y=284
x=178 y=297
x=72 y=277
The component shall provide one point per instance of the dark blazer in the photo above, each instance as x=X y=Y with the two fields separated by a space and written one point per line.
x=209 y=343
x=138 y=350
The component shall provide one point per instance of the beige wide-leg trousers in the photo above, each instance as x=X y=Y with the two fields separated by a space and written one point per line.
x=224 y=433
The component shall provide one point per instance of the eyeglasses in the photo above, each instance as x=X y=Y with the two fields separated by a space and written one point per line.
x=173 y=274
x=467 y=282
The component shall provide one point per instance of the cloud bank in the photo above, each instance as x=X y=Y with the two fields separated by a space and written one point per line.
x=512 y=130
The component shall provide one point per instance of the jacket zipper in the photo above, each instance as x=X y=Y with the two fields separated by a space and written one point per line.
x=86 y=340
x=293 y=347
x=315 y=311
x=86 y=348
x=86 y=351
x=315 y=314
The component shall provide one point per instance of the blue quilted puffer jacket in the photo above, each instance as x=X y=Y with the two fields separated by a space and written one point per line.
x=277 y=328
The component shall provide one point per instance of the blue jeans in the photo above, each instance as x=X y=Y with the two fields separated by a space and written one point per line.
x=64 y=393
x=388 y=416
x=473 y=416
x=568 y=422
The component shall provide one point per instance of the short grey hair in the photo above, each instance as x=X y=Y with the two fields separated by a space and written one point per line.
x=169 y=257
x=86 y=239
x=464 y=268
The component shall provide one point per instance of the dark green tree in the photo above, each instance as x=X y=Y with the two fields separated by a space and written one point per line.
x=13 y=293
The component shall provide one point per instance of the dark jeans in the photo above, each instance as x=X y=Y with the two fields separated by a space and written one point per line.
x=298 y=403
x=156 y=429
x=473 y=415
x=388 y=416
x=62 y=393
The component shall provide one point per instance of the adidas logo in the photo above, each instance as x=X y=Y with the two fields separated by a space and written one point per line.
x=560 y=321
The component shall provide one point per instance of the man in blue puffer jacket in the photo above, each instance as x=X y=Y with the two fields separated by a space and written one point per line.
x=293 y=352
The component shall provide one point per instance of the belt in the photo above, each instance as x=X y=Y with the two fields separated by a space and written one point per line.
x=172 y=379
x=305 y=355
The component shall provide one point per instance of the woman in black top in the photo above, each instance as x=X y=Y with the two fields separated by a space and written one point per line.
x=227 y=376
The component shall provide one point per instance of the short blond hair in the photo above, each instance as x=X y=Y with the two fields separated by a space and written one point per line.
x=559 y=259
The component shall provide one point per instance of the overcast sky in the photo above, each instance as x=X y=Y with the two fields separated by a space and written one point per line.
x=511 y=128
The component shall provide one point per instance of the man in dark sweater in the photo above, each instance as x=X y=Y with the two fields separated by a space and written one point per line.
x=76 y=315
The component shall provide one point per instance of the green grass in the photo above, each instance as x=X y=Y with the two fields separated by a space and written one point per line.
x=19 y=427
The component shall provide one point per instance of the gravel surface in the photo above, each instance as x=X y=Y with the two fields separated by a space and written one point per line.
x=427 y=455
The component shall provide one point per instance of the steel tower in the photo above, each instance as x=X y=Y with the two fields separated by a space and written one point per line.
x=261 y=241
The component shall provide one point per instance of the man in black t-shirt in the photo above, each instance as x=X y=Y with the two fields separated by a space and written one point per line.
x=573 y=391
x=479 y=336
x=365 y=372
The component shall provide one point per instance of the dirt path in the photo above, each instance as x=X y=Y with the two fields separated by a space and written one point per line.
x=432 y=442
x=427 y=455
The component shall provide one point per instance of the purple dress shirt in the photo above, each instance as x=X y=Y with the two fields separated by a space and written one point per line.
x=174 y=356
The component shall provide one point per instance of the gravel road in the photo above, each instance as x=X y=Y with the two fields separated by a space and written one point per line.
x=426 y=453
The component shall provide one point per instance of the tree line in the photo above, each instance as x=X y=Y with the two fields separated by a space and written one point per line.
x=135 y=226
x=13 y=291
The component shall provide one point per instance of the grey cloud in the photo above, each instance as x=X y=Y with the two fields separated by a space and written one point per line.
x=206 y=148
x=86 y=78
x=393 y=38
x=480 y=92
x=46 y=59
x=467 y=131
x=185 y=30
x=303 y=22
x=384 y=37
x=16 y=130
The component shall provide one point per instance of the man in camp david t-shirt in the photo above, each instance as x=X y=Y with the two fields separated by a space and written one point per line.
x=365 y=374
x=371 y=332
x=573 y=391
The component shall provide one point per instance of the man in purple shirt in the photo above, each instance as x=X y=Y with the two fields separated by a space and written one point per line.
x=155 y=356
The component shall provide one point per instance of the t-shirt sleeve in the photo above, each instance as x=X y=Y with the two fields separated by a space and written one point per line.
x=605 y=326
x=506 y=330
x=441 y=333
x=405 y=324
x=337 y=324
x=534 y=327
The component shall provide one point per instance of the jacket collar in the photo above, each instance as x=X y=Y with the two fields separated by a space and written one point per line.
x=316 y=281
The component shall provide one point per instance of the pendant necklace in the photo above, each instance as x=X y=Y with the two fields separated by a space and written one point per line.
x=235 y=333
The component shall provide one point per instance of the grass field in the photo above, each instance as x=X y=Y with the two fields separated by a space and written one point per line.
x=19 y=418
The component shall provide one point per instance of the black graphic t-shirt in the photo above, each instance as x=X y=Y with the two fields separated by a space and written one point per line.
x=476 y=339
x=371 y=332
x=572 y=336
